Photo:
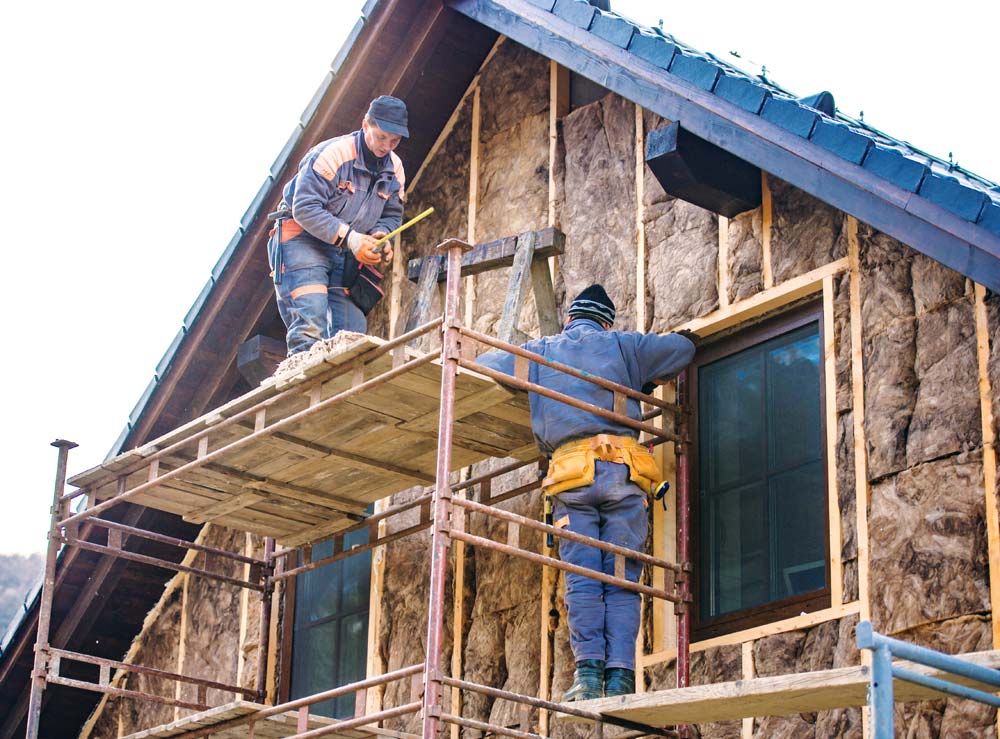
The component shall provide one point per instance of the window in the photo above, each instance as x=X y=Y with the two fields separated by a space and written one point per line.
x=760 y=519
x=330 y=626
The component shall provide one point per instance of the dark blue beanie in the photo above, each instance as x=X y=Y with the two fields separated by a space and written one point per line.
x=593 y=303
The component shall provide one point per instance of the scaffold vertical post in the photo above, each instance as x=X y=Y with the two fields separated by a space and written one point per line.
x=263 y=638
x=682 y=450
x=431 y=702
x=880 y=692
x=38 y=673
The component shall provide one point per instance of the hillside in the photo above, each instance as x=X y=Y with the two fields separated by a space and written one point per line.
x=18 y=573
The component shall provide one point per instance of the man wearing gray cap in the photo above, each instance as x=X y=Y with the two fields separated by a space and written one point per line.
x=347 y=193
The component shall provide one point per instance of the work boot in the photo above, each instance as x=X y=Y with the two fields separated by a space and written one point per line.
x=619 y=681
x=588 y=681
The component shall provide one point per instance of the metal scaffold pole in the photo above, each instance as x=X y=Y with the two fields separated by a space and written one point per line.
x=39 y=672
x=441 y=504
x=682 y=451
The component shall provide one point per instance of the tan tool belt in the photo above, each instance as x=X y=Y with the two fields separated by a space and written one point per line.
x=572 y=464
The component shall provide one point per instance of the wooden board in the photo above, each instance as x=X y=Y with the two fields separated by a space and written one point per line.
x=316 y=474
x=274 y=727
x=782 y=695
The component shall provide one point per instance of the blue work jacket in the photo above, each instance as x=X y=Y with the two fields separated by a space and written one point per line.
x=629 y=358
x=333 y=191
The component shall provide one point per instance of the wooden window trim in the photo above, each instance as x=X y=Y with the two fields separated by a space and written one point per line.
x=788 y=320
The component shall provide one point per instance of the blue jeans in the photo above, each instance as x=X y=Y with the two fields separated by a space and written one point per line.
x=311 y=298
x=603 y=619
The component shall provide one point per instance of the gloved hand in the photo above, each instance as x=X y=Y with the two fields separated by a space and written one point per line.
x=689 y=335
x=363 y=247
x=386 y=247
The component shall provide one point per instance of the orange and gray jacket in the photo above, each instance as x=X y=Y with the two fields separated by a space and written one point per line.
x=334 y=191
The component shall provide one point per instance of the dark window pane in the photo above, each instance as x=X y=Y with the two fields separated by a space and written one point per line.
x=794 y=423
x=762 y=514
x=330 y=639
x=315 y=663
x=354 y=643
x=799 y=561
x=731 y=420
x=734 y=551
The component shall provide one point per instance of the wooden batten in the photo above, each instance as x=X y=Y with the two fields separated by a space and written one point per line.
x=757 y=305
x=746 y=655
x=795 y=623
x=723 y=279
x=765 y=236
x=860 y=448
x=989 y=458
x=241 y=657
x=830 y=413
x=182 y=642
x=640 y=226
x=374 y=665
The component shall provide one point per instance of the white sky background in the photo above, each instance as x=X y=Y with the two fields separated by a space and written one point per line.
x=134 y=135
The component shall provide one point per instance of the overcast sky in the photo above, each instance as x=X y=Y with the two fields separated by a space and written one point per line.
x=135 y=135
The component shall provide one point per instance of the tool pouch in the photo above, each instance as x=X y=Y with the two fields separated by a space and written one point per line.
x=362 y=283
x=572 y=465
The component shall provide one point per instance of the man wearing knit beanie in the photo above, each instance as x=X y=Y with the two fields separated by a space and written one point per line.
x=605 y=498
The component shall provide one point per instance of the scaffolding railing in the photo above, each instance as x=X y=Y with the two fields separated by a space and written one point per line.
x=439 y=510
x=883 y=672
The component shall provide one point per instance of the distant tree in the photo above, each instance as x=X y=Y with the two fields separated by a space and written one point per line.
x=18 y=573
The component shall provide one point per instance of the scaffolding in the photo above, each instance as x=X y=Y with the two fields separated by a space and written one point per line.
x=200 y=471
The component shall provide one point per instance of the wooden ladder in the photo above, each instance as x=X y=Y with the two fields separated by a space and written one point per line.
x=526 y=254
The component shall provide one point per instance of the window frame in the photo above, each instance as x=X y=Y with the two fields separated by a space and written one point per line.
x=731 y=343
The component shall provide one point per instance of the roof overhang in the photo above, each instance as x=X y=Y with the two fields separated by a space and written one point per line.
x=917 y=222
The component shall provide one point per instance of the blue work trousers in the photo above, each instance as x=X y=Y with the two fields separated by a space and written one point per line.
x=603 y=619
x=311 y=297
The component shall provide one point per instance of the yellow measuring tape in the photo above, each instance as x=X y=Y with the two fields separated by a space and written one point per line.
x=422 y=216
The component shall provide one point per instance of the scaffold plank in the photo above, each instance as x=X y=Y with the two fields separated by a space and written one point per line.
x=781 y=695
x=324 y=462
x=273 y=727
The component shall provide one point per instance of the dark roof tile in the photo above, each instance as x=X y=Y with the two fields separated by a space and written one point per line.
x=841 y=140
x=143 y=399
x=578 y=12
x=223 y=261
x=257 y=202
x=310 y=110
x=697 y=70
x=742 y=92
x=652 y=48
x=951 y=194
x=342 y=53
x=990 y=217
x=286 y=150
x=613 y=28
x=192 y=314
x=168 y=356
x=892 y=165
x=789 y=115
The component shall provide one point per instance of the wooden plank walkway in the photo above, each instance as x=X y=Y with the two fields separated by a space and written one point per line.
x=781 y=695
x=305 y=482
x=274 y=727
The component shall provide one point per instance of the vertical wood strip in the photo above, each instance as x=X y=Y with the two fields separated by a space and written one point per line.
x=373 y=664
x=181 y=643
x=640 y=227
x=558 y=107
x=989 y=457
x=723 y=262
x=396 y=286
x=746 y=652
x=121 y=722
x=765 y=218
x=244 y=615
x=665 y=536
x=830 y=413
x=273 y=645
x=861 y=489
x=470 y=282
